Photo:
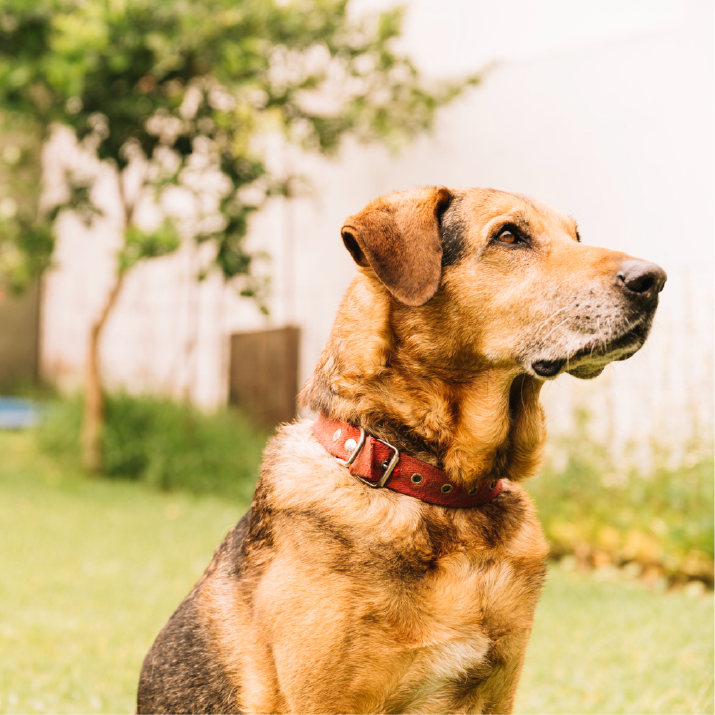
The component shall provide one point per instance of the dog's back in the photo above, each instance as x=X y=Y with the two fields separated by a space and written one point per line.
x=180 y=673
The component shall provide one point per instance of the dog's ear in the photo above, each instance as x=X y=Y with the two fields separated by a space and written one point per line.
x=398 y=237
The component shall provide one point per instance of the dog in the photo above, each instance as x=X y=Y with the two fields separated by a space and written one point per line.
x=390 y=561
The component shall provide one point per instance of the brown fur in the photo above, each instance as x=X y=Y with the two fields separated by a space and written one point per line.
x=331 y=597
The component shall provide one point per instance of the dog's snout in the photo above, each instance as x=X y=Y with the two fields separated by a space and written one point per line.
x=641 y=278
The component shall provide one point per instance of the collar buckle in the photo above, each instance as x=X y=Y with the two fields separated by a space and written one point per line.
x=389 y=468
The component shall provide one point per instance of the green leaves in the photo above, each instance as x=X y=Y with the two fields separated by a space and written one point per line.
x=26 y=236
x=140 y=244
x=135 y=79
x=25 y=251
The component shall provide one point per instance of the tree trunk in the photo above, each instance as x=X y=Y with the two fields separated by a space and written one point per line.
x=93 y=419
x=92 y=423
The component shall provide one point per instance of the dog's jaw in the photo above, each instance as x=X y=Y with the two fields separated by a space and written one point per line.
x=373 y=373
x=585 y=355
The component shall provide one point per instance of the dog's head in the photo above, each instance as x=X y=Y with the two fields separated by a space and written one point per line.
x=502 y=280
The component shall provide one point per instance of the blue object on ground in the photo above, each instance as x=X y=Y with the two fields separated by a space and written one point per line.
x=18 y=413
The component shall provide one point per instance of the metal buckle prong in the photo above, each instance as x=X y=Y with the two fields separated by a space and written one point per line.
x=389 y=469
x=347 y=462
x=391 y=466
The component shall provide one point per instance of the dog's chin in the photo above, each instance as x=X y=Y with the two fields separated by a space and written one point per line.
x=586 y=372
x=590 y=360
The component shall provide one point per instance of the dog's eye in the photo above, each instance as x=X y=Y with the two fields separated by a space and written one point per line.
x=508 y=236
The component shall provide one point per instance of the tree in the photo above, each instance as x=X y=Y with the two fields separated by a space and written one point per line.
x=159 y=90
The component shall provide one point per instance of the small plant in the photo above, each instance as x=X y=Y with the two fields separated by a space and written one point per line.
x=165 y=444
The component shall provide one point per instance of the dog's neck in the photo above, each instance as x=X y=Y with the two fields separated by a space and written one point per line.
x=386 y=368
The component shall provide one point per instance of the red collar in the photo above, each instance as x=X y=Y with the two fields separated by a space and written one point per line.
x=379 y=464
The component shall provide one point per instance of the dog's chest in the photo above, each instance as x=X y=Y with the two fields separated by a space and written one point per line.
x=449 y=637
x=457 y=613
x=406 y=605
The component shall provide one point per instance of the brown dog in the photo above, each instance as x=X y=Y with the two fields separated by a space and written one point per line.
x=333 y=597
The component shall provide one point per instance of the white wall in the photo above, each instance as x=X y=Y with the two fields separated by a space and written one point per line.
x=618 y=132
x=602 y=109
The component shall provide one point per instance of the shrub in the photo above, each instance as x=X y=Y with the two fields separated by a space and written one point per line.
x=663 y=520
x=166 y=444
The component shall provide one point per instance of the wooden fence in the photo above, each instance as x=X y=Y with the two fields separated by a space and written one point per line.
x=19 y=331
x=263 y=374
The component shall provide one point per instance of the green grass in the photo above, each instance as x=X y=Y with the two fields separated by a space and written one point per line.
x=617 y=648
x=92 y=569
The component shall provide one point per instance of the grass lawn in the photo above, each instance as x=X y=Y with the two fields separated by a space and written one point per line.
x=617 y=648
x=92 y=569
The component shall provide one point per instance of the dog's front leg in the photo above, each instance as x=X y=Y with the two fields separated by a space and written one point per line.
x=499 y=689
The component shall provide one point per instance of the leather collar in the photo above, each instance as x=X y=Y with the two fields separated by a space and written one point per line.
x=379 y=464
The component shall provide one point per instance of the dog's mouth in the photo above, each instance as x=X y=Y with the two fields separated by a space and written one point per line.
x=590 y=359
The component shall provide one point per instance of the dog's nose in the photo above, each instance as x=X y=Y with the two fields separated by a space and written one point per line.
x=642 y=279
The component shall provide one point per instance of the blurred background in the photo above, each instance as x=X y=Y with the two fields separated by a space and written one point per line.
x=173 y=179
